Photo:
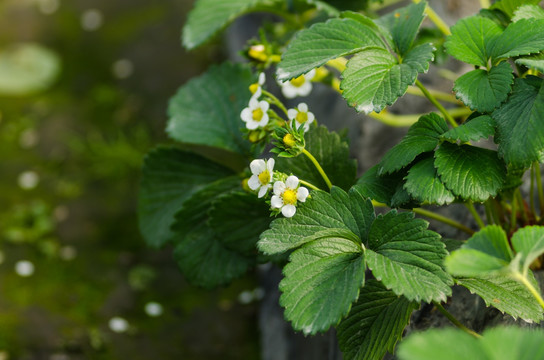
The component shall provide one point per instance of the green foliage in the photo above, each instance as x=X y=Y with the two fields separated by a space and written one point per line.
x=480 y=127
x=378 y=311
x=528 y=12
x=380 y=187
x=533 y=62
x=509 y=7
x=519 y=38
x=424 y=184
x=529 y=244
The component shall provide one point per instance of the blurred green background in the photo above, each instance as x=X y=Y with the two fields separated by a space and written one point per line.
x=84 y=86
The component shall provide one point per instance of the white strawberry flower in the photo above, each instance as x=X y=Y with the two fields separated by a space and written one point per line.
x=287 y=194
x=301 y=115
x=299 y=86
x=255 y=115
x=256 y=88
x=262 y=175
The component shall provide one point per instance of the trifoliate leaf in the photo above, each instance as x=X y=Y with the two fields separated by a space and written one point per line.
x=380 y=187
x=529 y=241
x=470 y=172
x=484 y=90
x=481 y=127
x=505 y=343
x=505 y=294
x=375 y=323
x=407 y=257
x=374 y=79
x=470 y=39
x=208 y=17
x=202 y=257
x=485 y=252
x=509 y=7
x=520 y=38
x=323 y=215
x=533 y=62
x=424 y=185
x=238 y=218
x=423 y=136
x=206 y=110
x=321 y=281
x=520 y=123
x=528 y=12
x=169 y=177
x=322 y=42
x=331 y=152
x=403 y=24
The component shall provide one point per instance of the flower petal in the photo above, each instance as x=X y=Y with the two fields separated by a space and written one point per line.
x=311 y=117
x=253 y=103
x=270 y=165
x=302 y=194
x=252 y=124
x=246 y=114
x=264 y=120
x=305 y=89
x=310 y=75
x=264 y=105
x=291 y=182
x=302 y=107
x=292 y=113
x=279 y=188
x=289 y=91
x=263 y=190
x=257 y=166
x=276 y=202
x=253 y=182
x=262 y=78
x=288 y=210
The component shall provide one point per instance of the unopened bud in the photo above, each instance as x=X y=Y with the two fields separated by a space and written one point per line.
x=289 y=140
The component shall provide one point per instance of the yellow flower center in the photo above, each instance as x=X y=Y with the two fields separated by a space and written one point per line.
x=289 y=140
x=298 y=81
x=258 y=52
x=289 y=197
x=257 y=114
x=254 y=136
x=264 y=177
x=253 y=88
x=302 y=117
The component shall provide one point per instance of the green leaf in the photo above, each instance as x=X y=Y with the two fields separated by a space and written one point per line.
x=407 y=257
x=485 y=252
x=208 y=17
x=505 y=294
x=333 y=155
x=423 y=136
x=509 y=6
x=533 y=62
x=529 y=241
x=502 y=343
x=27 y=68
x=169 y=177
x=528 y=12
x=520 y=123
x=206 y=110
x=323 y=215
x=481 y=127
x=484 y=90
x=403 y=24
x=321 y=281
x=520 y=38
x=199 y=252
x=470 y=172
x=238 y=219
x=322 y=42
x=424 y=185
x=323 y=6
x=380 y=187
x=470 y=40
x=375 y=323
x=374 y=79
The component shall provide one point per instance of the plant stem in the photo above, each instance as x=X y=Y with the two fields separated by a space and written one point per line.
x=408 y=120
x=443 y=219
x=532 y=193
x=513 y=217
x=454 y=321
x=472 y=209
x=523 y=279
x=435 y=102
x=274 y=100
x=439 y=95
x=484 y=4
x=521 y=204
x=539 y=188
x=489 y=213
x=307 y=184
x=318 y=167
x=436 y=19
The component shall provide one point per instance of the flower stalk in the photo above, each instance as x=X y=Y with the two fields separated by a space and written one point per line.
x=318 y=167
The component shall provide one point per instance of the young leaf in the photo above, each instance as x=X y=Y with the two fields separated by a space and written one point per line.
x=509 y=6
x=422 y=137
x=169 y=177
x=480 y=127
x=506 y=343
x=529 y=241
x=407 y=257
x=324 y=215
x=484 y=90
x=331 y=152
x=470 y=172
x=380 y=187
x=520 y=123
x=322 y=42
x=485 y=252
x=208 y=17
x=403 y=25
x=206 y=110
x=505 y=294
x=533 y=62
x=374 y=79
x=528 y=12
x=321 y=281
x=375 y=323
x=470 y=39
x=520 y=38
x=424 y=185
